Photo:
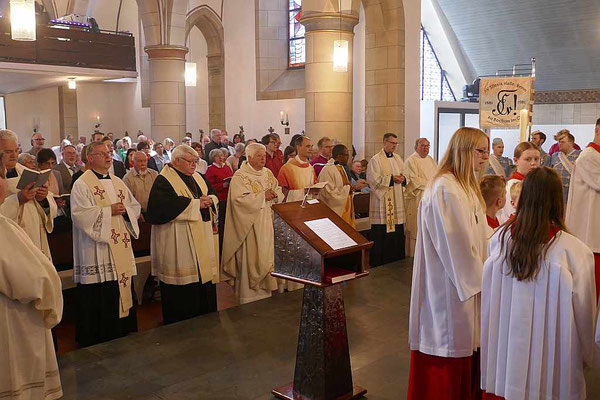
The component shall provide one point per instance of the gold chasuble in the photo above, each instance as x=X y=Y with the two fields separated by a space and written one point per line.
x=120 y=243
x=207 y=260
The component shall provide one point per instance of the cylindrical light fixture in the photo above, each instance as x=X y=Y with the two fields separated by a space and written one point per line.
x=72 y=84
x=190 y=74
x=340 y=56
x=22 y=20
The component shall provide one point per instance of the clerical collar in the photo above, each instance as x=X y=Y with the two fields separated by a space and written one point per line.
x=12 y=173
x=300 y=161
x=100 y=176
x=594 y=146
x=338 y=163
x=388 y=155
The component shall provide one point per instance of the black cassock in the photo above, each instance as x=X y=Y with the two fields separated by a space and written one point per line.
x=180 y=302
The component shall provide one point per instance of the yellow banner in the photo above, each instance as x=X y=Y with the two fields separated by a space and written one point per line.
x=502 y=99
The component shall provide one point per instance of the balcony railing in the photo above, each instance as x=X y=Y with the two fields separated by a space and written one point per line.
x=70 y=47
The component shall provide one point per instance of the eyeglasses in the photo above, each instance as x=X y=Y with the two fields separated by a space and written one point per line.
x=40 y=140
x=482 y=152
x=194 y=161
x=101 y=153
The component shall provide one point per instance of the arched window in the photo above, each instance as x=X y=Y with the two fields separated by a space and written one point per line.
x=296 y=48
x=434 y=84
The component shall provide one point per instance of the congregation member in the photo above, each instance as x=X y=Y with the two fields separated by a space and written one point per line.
x=129 y=158
x=358 y=179
x=493 y=191
x=83 y=168
x=555 y=148
x=105 y=220
x=27 y=160
x=289 y=152
x=204 y=139
x=583 y=208
x=168 y=145
x=33 y=209
x=46 y=160
x=420 y=169
x=235 y=161
x=97 y=136
x=37 y=143
x=158 y=160
x=237 y=138
x=139 y=179
x=446 y=283
x=248 y=252
x=274 y=155
x=67 y=167
x=184 y=258
x=385 y=175
x=187 y=141
x=215 y=143
x=527 y=158
x=563 y=161
x=117 y=168
x=31 y=304
x=227 y=144
x=539 y=138
x=297 y=173
x=501 y=166
x=126 y=146
x=202 y=165
x=538 y=301
x=324 y=147
x=337 y=193
x=219 y=175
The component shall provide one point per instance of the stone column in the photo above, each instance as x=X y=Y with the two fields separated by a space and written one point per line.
x=216 y=91
x=328 y=100
x=167 y=91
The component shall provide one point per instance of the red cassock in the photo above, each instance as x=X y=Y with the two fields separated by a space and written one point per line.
x=489 y=396
x=443 y=378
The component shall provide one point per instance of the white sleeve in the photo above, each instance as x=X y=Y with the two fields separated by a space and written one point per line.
x=87 y=216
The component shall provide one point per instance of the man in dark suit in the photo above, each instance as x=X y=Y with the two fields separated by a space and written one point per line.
x=215 y=143
x=118 y=168
x=67 y=167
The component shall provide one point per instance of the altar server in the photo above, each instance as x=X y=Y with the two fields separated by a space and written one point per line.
x=337 y=194
x=248 y=252
x=33 y=209
x=31 y=304
x=583 y=208
x=105 y=216
x=420 y=169
x=538 y=301
x=181 y=209
x=385 y=175
x=527 y=158
x=451 y=248
x=297 y=173
x=493 y=190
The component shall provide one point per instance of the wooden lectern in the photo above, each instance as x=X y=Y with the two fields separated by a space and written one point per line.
x=322 y=360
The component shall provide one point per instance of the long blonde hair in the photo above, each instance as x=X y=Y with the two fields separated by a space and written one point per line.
x=458 y=160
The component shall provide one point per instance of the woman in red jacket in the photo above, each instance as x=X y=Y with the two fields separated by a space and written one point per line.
x=219 y=175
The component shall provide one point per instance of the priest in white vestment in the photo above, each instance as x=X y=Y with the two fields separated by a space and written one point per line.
x=420 y=169
x=181 y=208
x=583 y=208
x=537 y=320
x=248 y=252
x=337 y=193
x=33 y=209
x=31 y=304
x=105 y=216
x=385 y=175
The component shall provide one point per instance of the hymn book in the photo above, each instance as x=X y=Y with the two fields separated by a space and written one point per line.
x=29 y=175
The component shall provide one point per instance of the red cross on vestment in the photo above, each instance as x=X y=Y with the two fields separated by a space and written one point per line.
x=123 y=280
x=115 y=236
x=126 y=240
x=99 y=192
x=121 y=195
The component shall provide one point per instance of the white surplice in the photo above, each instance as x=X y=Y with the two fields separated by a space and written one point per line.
x=30 y=216
x=451 y=248
x=30 y=304
x=335 y=193
x=537 y=335
x=583 y=208
x=92 y=259
x=379 y=181
x=419 y=172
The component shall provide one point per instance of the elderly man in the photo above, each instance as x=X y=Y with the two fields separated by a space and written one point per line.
x=31 y=304
x=97 y=136
x=215 y=143
x=501 y=166
x=563 y=161
x=67 y=167
x=337 y=194
x=539 y=138
x=105 y=216
x=117 y=168
x=33 y=209
x=248 y=255
x=181 y=210
x=158 y=160
x=37 y=143
x=140 y=178
x=226 y=143
x=324 y=148
x=297 y=173
x=385 y=175
x=274 y=156
x=420 y=169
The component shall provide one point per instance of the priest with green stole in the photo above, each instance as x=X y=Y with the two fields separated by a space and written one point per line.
x=337 y=193
x=248 y=252
x=181 y=208
x=105 y=215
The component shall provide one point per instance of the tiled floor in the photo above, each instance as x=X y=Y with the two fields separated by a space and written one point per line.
x=243 y=352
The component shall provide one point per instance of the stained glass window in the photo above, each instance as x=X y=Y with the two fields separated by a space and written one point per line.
x=297 y=53
x=434 y=84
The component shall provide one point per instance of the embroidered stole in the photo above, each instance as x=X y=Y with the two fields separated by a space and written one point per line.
x=120 y=238
x=389 y=199
x=566 y=162
x=497 y=167
x=208 y=264
x=348 y=213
